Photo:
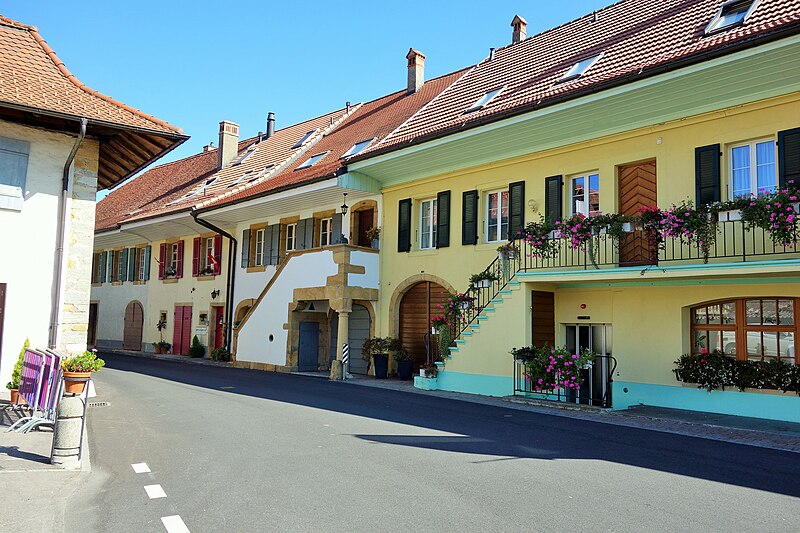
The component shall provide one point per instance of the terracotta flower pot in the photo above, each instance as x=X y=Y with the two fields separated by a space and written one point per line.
x=75 y=387
x=14 y=395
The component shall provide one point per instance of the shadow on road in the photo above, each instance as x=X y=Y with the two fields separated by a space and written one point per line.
x=485 y=430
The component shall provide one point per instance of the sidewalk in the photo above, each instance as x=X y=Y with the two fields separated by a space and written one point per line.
x=739 y=430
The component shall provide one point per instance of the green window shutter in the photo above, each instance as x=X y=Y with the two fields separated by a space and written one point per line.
x=305 y=234
x=404 y=226
x=469 y=218
x=103 y=266
x=110 y=271
x=443 y=219
x=789 y=157
x=336 y=229
x=516 y=209
x=123 y=276
x=132 y=264
x=274 y=240
x=553 y=197
x=707 y=174
x=147 y=258
x=246 y=248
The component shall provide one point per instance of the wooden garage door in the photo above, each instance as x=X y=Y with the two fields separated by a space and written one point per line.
x=132 y=335
x=422 y=301
x=637 y=189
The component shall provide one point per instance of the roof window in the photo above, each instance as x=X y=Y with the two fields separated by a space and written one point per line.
x=311 y=161
x=260 y=174
x=358 y=147
x=731 y=14
x=580 y=68
x=484 y=100
x=244 y=156
x=304 y=139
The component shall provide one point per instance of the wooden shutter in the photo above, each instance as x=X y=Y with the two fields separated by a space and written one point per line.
x=217 y=254
x=162 y=257
x=103 y=266
x=132 y=264
x=147 y=258
x=123 y=276
x=336 y=229
x=246 y=248
x=404 y=226
x=196 y=256
x=516 y=209
x=443 y=219
x=707 y=174
x=789 y=157
x=553 y=197
x=305 y=234
x=274 y=244
x=469 y=217
x=179 y=265
x=177 y=326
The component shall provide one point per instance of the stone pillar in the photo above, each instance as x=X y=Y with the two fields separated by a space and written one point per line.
x=342 y=337
x=67 y=433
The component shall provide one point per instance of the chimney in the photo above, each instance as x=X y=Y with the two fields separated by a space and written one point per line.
x=416 y=70
x=228 y=142
x=270 y=124
x=208 y=147
x=520 y=26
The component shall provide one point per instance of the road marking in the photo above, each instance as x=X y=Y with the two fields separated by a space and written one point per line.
x=140 y=468
x=227 y=388
x=174 y=524
x=155 y=491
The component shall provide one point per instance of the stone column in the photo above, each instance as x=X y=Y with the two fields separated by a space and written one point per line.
x=342 y=338
x=67 y=433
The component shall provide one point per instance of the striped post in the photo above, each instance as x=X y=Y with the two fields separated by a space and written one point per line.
x=345 y=360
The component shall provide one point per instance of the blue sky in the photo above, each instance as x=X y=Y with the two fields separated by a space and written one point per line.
x=196 y=63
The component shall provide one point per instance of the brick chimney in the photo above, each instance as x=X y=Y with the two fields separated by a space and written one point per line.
x=228 y=142
x=416 y=70
x=520 y=26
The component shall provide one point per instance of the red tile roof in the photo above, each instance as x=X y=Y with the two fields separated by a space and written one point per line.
x=637 y=38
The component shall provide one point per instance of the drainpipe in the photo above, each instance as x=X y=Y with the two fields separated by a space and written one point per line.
x=232 y=243
x=55 y=311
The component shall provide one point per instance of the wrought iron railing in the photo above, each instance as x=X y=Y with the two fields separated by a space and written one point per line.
x=595 y=388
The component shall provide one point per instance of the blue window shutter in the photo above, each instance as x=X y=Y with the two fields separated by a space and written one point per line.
x=336 y=229
x=124 y=274
x=103 y=266
x=246 y=248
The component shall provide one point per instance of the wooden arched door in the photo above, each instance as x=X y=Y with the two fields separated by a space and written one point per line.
x=421 y=302
x=132 y=333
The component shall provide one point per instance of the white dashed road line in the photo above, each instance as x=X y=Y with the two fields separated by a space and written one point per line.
x=154 y=491
x=174 y=524
x=140 y=468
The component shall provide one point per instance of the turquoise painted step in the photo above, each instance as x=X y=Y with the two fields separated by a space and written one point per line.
x=497 y=300
x=467 y=333
x=506 y=291
x=514 y=284
x=490 y=310
x=453 y=349
x=461 y=341
x=475 y=326
x=483 y=317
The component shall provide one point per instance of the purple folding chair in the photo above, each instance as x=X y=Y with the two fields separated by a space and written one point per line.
x=30 y=384
x=50 y=394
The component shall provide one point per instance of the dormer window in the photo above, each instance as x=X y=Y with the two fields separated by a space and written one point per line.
x=484 y=100
x=311 y=161
x=580 y=68
x=731 y=14
x=358 y=147
x=304 y=139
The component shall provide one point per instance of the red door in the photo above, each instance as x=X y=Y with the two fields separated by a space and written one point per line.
x=219 y=330
x=182 y=330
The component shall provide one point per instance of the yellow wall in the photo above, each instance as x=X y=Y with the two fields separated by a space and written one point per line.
x=672 y=145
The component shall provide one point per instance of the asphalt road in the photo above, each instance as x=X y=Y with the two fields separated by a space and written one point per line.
x=244 y=451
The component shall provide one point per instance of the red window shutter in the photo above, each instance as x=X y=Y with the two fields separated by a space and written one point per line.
x=196 y=257
x=162 y=257
x=179 y=265
x=217 y=254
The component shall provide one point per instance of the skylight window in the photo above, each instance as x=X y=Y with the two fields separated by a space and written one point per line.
x=243 y=176
x=358 y=147
x=244 y=156
x=304 y=139
x=484 y=100
x=312 y=161
x=257 y=176
x=580 y=68
x=731 y=14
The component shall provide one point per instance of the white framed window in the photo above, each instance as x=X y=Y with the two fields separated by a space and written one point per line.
x=173 y=256
x=484 y=100
x=580 y=68
x=585 y=194
x=427 y=224
x=325 y=231
x=358 y=147
x=141 y=264
x=304 y=139
x=311 y=161
x=206 y=255
x=730 y=14
x=258 y=248
x=497 y=216
x=753 y=168
x=291 y=237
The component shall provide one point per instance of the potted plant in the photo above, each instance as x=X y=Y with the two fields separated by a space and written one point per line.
x=440 y=326
x=508 y=250
x=161 y=325
x=483 y=280
x=162 y=347
x=221 y=354
x=429 y=370
x=196 y=350
x=379 y=349
x=405 y=364
x=16 y=374
x=540 y=237
x=78 y=369
x=374 y=235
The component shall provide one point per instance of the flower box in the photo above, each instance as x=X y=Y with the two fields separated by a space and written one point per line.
x=424 y=383
x=464 y=305
x=627 y=227
x=483 y=283
x=730 y=216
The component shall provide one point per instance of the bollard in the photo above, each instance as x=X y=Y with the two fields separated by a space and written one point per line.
x=68 y=432
x=336 y=370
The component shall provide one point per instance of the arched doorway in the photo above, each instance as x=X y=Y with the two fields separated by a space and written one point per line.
x=132 y=333
x=420 y=302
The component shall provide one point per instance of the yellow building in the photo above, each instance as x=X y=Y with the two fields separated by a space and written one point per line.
x=697 y=104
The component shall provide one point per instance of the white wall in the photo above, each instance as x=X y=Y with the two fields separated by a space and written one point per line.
x=111 y=303
x=369 y=279
x=305 y=270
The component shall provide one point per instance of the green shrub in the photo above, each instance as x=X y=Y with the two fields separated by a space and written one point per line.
x=16 y=374
x=221 y=354
x=85 y=362
x=712 y=371
x=196 y=350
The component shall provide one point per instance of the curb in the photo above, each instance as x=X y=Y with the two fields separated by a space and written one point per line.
x=181 y=359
